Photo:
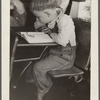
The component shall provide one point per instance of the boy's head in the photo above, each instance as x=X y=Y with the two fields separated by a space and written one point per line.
x=45 y=10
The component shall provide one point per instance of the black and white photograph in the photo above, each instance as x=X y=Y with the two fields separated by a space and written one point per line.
x=49 y=50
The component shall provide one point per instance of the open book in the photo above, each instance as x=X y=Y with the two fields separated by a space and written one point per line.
x=36 y=37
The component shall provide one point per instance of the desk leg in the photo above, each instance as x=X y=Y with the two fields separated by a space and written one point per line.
x=30 y=62
x=13 y=55
x=14 y=85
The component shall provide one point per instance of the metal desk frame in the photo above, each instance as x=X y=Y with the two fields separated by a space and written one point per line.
x=46 y=45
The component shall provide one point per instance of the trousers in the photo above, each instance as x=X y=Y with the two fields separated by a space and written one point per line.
x=55 y=61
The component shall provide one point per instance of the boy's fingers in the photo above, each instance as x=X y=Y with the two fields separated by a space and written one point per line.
x=45 y=29
x=47 y=32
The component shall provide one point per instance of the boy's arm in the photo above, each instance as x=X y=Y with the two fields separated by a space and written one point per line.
x=18 y=6
x=66 y=31
x=18 y=17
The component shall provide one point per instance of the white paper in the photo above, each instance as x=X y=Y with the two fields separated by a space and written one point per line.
x=36 y=37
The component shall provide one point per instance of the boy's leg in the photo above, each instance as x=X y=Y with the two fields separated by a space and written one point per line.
x=40 y=70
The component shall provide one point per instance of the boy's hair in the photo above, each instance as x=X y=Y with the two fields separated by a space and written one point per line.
x=44 y=4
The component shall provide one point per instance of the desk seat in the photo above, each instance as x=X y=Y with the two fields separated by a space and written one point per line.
x=67 y=72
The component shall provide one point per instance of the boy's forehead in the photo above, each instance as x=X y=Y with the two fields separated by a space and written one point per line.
x=41 y=11
x=36 y=12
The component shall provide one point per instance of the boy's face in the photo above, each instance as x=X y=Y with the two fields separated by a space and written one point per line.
x=45 y=16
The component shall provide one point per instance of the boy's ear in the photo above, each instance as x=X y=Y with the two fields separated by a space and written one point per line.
x=47 y=14
x=59 y=10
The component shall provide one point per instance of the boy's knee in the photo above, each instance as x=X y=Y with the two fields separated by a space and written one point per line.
x=37 y=67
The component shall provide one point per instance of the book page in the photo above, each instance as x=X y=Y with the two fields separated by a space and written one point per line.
x=36 y=37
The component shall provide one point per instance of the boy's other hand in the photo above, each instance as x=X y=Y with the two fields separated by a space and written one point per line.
x=38 y=24
x=17 y=5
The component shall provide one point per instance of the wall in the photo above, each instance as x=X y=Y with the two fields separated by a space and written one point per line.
x=84 y=10
x=81 y=10
x=74 y=9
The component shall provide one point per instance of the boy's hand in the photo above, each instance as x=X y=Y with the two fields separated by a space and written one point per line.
x=38 y=24
x=45 y=29
x=41 y=27
x=17 y=5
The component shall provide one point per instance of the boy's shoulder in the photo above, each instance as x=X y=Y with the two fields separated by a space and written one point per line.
x=64 y=18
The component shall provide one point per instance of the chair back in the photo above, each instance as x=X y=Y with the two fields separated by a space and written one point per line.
x=82 y=30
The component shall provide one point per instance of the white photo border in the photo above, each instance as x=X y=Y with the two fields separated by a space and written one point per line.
x=5 y=37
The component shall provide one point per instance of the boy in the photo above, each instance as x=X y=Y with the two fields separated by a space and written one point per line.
x=51 y=20
x=18 y=13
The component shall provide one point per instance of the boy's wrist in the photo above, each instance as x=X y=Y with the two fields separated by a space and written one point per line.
x=52 y=35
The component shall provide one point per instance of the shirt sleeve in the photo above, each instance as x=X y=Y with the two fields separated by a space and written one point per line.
x=66 y=31
x=18 y=19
